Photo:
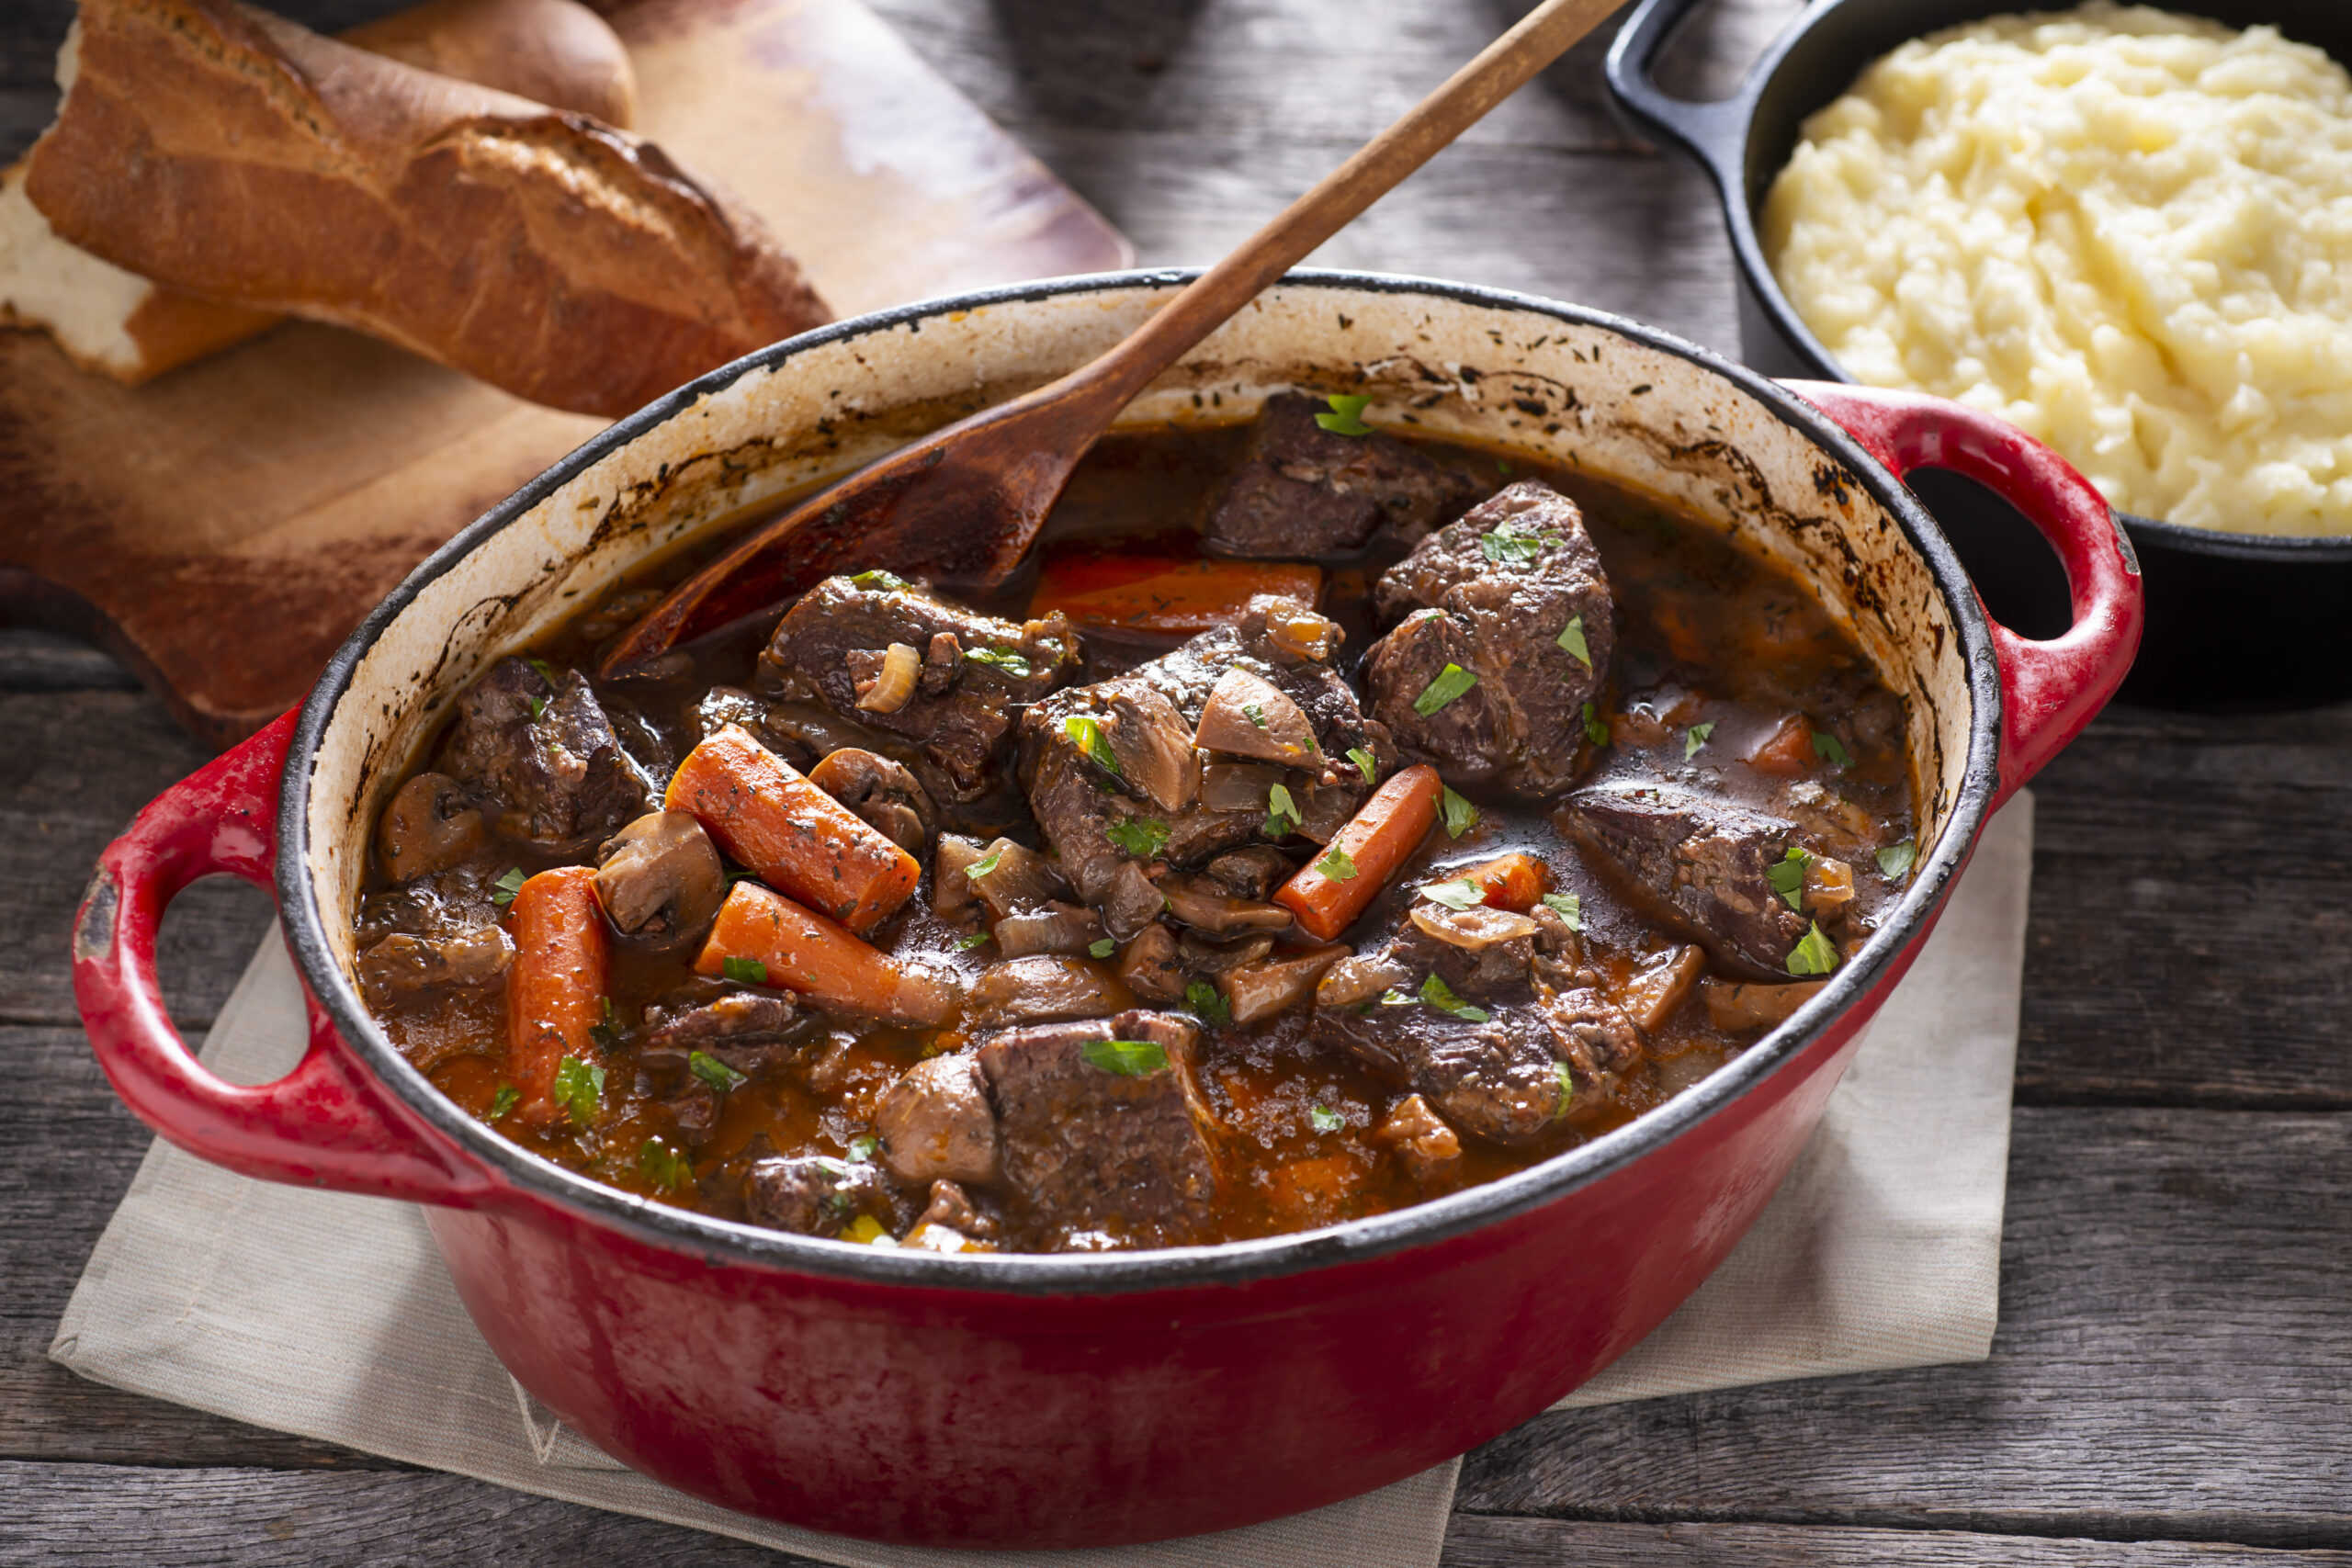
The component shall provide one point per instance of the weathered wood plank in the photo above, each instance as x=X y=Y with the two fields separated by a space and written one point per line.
x=70 y=1516
x=2169 y=1365
x=1478 y=1541
x=76 y=768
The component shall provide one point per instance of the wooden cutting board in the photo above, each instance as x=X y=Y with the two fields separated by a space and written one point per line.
x=223 y=528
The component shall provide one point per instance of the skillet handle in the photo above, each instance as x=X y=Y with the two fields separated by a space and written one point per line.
x=1710 y=134
x=2049 y=690
x=323 y=1124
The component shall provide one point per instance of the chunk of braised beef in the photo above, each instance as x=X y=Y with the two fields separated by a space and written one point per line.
x=1492 y=596
x=1107 y=1148
x=744 y=1030
x=951 y=1206
x=956 y=720
x=1250 y=873
x=1303 y=491
x=818 y=1195
x=1700 y=865
x=401 y=967
x=545 y=750
x=1424 y=1143
x=445 y=903
x=936 y=1124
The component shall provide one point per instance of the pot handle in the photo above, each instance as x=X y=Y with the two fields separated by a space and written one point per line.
x=2049 y=690
x=323 y=1124
x=1710 y=132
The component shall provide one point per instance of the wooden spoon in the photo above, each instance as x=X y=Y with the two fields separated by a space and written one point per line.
x=963 y=503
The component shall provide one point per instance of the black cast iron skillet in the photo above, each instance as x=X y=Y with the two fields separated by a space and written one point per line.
x=2234 y=620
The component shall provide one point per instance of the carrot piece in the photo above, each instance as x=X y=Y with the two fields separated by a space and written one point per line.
x=1375 y=844
x=796 y=836
x=1788 y=751
x=780 y=943
x=1510 y=881
x=555 y=988
x=1165 y=593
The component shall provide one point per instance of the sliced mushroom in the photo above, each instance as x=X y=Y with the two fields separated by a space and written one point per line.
x=1133 y=901
x=1200 y=956
x=1739 y=1008
x=1238 y=786
x=1352 y=981
x=661 y=877
x=936 y=1122
x=430 y=825
x=1251 y=872
x=1653 y=993
x=951 y=890
x=1054 y=928
x=1260 y=990
x=1042 y=990
x=1010 y=877
x=1153 y=744
x=1247 y=716
x=723 y=705
x=1149 y=966
x=1477 y=927
x=1201 y=904
x=879 y=791
x=885 y=684
x=1422 y=1141
x=1326 y=809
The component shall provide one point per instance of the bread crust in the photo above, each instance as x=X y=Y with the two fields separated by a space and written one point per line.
x=235 y=156
x=555 y=53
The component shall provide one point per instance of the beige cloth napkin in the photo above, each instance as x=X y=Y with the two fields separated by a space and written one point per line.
x=330 y=1315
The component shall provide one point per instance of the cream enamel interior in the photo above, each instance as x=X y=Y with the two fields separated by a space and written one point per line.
x=1562 y=392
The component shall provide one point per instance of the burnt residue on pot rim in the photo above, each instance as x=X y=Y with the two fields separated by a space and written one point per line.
x=727 y=1244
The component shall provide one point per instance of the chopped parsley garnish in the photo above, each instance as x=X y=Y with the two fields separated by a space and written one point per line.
x=1395 y=997
x=1512 y=545
x=1366 y=764
x=713 y=1071
x=539 y=705
x=502 y=1103
x=1895 y=861
x=1440 y=995
x=1571 y=639
x=737 y=873
x=1004 y=658
x=547 y=674
x=861 y=1149
x=1282 y=813
x=966 y=943
x=1256 y=715
x=1346 y=417
x=1813 y=956
x=1102 y=947
x=983 y=866
x=1129 y=1058
x=1087 y=735
x=745 y=971
x=664 y=1166
x=1595 y=729
x=878 y=582
x=606 y=1033
x=1501 y=466
x=1459 y=814
x=1787 y=876
x=578 y=1088
x=1451 y=683
x=502 y=891
x=1460 y=894
x=1567 y=1090
x=1202 y=1001
x=1325 y=1121
x=1695 y=738
x=1142 y=837
x=1337 y=864
x=1570 y=906
x=1830 y=750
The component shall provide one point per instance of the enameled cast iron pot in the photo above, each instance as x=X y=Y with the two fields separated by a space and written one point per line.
x=1062 y=1401
x=2198 y=579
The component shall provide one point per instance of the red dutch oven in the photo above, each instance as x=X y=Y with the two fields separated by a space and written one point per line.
x=1088 y=1400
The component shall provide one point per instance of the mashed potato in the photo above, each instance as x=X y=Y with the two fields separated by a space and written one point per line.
x=2128 y=232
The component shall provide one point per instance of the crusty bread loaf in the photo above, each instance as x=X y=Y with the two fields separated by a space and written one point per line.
x=233 y=155
x=554 y=51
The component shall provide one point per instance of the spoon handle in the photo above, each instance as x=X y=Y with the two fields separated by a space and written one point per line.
x=1502 y=68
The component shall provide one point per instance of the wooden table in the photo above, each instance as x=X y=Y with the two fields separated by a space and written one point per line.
x=2169 y=1385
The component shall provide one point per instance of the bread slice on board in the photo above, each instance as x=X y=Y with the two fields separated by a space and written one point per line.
x=555 y=53
x=233 y=155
